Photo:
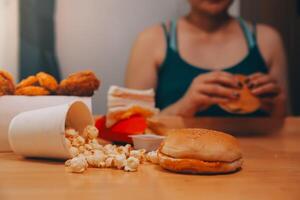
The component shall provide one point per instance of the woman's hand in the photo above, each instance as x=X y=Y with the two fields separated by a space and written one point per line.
x=206 y=90
x=266 y=88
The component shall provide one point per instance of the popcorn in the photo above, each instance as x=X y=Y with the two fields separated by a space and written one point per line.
x=87 y=152
x=73 y=151
x=120 y=161
x=109 y=162
x=78 y=141
x=132 y=164
x=110 y=149
x=152 y=157
x=139 y=154
x=90 y=132
x=95 y=145
x=124 y=149
x=96 y=160
x=71 y=133
x=81 y=149
x=68 y=143
x=76 y=165
x=88 y=147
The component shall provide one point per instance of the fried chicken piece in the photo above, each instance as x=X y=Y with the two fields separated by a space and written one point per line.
x=29 y=81
x=7 y=86
x=47 y=81
x=82 y=83
x=32 y=91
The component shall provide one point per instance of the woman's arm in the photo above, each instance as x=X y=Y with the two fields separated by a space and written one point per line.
x=146 y=56
x=272 y=49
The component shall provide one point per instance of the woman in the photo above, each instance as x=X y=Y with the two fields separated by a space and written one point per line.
x=191 y=62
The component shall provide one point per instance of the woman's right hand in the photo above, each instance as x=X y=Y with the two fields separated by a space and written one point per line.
x=206 y=90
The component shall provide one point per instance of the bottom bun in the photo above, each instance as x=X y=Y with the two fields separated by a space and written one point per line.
x=193 y=166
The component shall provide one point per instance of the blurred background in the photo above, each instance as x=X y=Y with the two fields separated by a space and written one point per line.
x=64 y=36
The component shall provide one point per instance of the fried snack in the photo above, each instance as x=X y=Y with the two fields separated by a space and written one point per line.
x=32 y=91
x=47 y=81
x=7 y=86
x=246 y=103
x=79 y=84
x=29 y=81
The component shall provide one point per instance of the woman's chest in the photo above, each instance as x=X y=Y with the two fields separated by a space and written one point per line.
x=212 y=54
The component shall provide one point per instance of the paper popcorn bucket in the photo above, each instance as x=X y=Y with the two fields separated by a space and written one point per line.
x=41 y=133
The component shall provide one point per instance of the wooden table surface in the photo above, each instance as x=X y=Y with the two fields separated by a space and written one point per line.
x=271 y=171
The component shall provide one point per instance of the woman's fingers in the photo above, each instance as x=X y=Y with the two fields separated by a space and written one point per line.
x=266 y=89
x=218 y=100
x=223 y=78
x=214 y=90
x=255 y=75
x=260 y=80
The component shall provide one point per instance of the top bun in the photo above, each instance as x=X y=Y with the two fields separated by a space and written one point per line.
x=201 y=144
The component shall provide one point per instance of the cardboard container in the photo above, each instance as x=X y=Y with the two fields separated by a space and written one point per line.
x=41 y=133
x=10 y=106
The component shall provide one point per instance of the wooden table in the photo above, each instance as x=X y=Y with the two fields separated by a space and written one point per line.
x=271 y=171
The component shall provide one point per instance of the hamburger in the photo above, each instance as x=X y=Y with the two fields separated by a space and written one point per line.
x=200 y=151
x=246 y=103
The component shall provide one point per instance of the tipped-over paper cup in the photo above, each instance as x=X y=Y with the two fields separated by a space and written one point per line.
x=41 y=133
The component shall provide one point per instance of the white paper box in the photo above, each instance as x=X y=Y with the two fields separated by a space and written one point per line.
x=10 y=106
x=41 y=133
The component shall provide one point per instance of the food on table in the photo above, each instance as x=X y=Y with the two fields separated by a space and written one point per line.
x=32 y=91
x=132 y=164
x=200 y=151
x=246 y=103
x=87 y=152
x=47 y=81
x=124 y=103
x=152 y=157
x=82 y=83
x=77 y=164
x=7 y=86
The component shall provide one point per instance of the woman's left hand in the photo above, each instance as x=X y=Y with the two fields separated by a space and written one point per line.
x=263 y=85
x=266 y=88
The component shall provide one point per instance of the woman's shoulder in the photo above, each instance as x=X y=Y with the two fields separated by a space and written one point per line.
x=268 y=34
x=152 y=40
x=151 y=35
x=269 y=40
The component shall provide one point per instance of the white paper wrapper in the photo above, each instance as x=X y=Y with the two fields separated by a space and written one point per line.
x=10 y=106
x=40 y=133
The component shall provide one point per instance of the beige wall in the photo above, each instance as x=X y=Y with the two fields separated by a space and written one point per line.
x=9 y=35
x=98 y=35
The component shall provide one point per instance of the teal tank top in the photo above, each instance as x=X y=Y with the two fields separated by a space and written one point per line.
x=175 y=74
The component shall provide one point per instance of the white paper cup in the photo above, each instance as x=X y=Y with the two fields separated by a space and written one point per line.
x=11 y=106
x=41 y=133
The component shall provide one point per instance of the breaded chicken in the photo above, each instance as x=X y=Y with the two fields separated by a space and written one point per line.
x=7 y=86
x=47 y=81
x=82 y=83
x=32 y=91
x=29 y=81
